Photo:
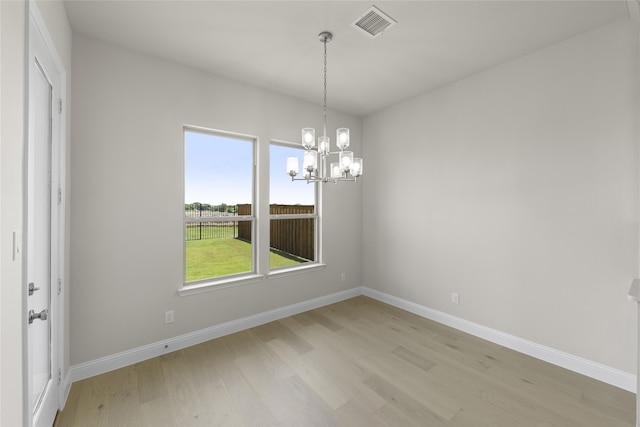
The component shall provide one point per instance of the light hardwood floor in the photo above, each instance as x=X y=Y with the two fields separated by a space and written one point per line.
x=359 y=362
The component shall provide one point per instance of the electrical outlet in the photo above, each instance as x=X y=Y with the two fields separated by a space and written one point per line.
x=168 y=316
x=455 y=298
x=343 y=277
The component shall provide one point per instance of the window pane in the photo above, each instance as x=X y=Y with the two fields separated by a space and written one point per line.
x=292 y=240
x=283 y=191
x=215 y=249
x=218 y=183
x=218 y=174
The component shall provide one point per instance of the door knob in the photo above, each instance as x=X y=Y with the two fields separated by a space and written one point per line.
x=42 y=315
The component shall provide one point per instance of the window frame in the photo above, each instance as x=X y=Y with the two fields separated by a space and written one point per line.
x=220 y=282
x=317 y=216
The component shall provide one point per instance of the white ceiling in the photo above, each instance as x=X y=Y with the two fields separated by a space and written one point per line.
x=274 y=44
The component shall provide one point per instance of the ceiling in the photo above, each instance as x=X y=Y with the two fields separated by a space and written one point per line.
x=274 y=44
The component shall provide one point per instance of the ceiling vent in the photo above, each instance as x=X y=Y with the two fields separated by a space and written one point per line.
x=373 y=22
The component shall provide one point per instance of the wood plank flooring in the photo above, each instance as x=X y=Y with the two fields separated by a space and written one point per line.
x=359 y=362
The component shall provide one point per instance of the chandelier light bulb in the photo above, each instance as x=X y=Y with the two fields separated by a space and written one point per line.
x=324 y=145
x=342 y=138
x=292 y=166
x=356 y=167
x=335 y=170
x=310 y=161
x=346 y=159
x=308 y=138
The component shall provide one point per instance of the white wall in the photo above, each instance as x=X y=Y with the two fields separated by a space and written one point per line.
x=126 y=198
x=12 y=133
x=517 y=188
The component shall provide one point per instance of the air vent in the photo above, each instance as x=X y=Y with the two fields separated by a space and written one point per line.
x=373 y=22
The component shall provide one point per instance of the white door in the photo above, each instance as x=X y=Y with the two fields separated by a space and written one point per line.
x=41 y=252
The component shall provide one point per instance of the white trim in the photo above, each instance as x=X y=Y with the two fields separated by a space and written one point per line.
x=192 y=288
x=58 y=212
x=129 y=357
x=577 y=364
x=292 y=271
x=294 y=216
x=65 y=386
x=188 y=288
x=317 y=200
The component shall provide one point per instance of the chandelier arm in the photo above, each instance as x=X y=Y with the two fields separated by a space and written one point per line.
x=325 y=179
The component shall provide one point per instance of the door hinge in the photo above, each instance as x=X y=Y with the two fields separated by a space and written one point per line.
x=59 y=105
x=59 y=195
x=59 y=376
x=59 y=286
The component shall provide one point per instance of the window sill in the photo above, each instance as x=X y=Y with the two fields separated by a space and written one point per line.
x=292 y=271
x=215 y=285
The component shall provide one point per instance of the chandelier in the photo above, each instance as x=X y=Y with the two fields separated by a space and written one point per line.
x=314 y=167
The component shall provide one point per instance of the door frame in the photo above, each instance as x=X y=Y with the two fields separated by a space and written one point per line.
x=58 y=215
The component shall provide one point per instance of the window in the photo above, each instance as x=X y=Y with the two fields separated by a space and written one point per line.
x=293 y=214
x=219 y=219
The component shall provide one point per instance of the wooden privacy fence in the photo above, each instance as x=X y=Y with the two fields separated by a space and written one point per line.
x=244 y=227
x=291 y=236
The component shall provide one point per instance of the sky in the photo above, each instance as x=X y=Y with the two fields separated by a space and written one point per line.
x=218 y=170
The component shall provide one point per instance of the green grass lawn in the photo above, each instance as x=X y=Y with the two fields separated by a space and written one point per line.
x=221 y=257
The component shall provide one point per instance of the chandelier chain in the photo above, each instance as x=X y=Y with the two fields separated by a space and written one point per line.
x=324 y=130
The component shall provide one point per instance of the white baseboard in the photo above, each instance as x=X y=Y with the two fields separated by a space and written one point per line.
x=577 y=364
x=129 y=357
x=586 y=367
x=64 y=389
